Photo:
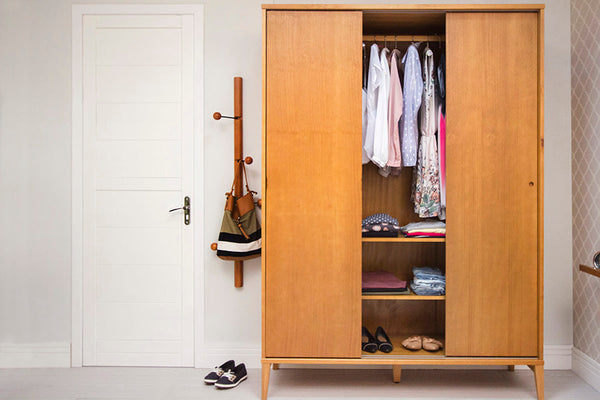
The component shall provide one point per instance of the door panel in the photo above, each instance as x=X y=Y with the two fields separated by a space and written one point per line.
x=138 y=152
x=313 y=181
x=492 y=159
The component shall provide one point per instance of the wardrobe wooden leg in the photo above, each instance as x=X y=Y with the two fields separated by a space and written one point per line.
x=511 y=368
x=266 y=369
x=275 y=367
x=538 y=372
x=397 y=372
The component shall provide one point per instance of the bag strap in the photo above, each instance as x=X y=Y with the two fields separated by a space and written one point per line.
x=235 y=180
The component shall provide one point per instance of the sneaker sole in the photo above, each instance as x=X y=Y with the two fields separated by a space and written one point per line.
x=230 y=385
x=210 y=381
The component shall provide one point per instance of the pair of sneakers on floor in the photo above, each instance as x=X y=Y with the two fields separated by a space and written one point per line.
x=227 y=376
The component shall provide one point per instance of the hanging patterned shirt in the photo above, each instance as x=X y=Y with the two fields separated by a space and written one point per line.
x=413 y=92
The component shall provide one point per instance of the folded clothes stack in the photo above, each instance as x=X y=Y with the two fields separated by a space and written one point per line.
x=425 y=229
x=428 y=281
x=380 y=225
x=382 y=282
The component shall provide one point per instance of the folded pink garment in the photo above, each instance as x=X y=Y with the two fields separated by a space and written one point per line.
x=381 y=280
x=430 y=234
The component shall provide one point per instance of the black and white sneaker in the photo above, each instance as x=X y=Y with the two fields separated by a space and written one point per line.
x=233 y=377
x=214 y=376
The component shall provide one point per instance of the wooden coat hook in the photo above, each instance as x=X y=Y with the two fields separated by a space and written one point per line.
x=218 y=116
x=237 y=157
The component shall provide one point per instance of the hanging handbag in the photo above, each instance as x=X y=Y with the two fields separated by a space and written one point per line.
x=239 y=238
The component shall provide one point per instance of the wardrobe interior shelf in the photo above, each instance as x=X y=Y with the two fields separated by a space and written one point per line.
x=410 y=296
x=404 y=38
x=403 y=239
x=400 y=351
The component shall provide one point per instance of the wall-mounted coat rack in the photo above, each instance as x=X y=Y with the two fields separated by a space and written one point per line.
x=238 y=151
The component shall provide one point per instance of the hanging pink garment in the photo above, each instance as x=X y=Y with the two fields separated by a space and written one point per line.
x=394 y=113
x=442 y=157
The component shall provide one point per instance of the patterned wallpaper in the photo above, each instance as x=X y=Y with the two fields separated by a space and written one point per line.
x=585 y=97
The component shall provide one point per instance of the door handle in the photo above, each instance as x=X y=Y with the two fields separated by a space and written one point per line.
x=186 y=210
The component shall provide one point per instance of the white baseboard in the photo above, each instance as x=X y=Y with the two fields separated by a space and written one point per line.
x=35 y=355
x=211 y=356
x=556 y=357
x=586 y=368
x=58 y=355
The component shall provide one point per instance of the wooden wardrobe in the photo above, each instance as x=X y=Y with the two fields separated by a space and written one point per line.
x=316 y=190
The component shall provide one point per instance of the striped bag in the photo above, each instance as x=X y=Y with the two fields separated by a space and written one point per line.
x=239 y=238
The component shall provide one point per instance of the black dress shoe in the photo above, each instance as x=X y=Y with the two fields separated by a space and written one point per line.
x=383 y=340
x=216 y=373
x=368 y=341
x=233 y=377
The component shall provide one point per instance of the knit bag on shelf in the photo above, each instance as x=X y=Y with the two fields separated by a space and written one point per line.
x=239 y=238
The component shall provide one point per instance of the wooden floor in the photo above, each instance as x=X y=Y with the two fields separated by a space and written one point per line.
x=186 y=383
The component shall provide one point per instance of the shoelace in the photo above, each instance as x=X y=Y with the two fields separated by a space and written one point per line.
x=218 y=371
x=229 y=375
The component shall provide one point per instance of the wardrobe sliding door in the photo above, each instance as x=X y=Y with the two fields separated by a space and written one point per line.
x=313 y=184
x=492 y=179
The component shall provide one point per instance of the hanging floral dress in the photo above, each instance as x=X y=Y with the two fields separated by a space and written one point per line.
x=426 y=175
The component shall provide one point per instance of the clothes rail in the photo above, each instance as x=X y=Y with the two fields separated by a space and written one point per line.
x=404 y=38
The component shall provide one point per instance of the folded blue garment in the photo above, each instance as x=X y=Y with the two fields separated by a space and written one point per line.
x=428 y=281
x=427 y=271
x=427 y=291
x=432 y=284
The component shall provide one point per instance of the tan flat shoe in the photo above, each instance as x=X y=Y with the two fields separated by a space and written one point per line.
x=431 y=344
x=413 y=343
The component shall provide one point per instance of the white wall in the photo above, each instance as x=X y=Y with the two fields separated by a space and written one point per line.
x=35 y=177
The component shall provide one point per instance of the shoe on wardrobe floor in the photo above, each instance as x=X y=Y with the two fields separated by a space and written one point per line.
x=368 y=341
x=413 y=343
x=383 y=340
x=233 y=377
x=431 y=344
x=216 y=373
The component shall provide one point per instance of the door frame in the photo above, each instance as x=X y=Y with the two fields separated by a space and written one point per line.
x=78 y=11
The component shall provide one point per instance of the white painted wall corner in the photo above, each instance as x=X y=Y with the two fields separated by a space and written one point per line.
x=586 y=368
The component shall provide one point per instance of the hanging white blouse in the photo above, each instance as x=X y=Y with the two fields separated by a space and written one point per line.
x=374 y=81
x=380 y=134
x=413 y=92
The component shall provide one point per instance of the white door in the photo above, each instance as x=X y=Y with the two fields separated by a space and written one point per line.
x=137 y=164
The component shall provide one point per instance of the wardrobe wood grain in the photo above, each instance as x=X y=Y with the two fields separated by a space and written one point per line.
x=313 y=181
x=390 y=195
x=263 y=187
x=492 y=178
x=400 y=258
x=404 y=318
x=540 y=186
x=410 y=23
x=408 y=7
x=404 y=360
